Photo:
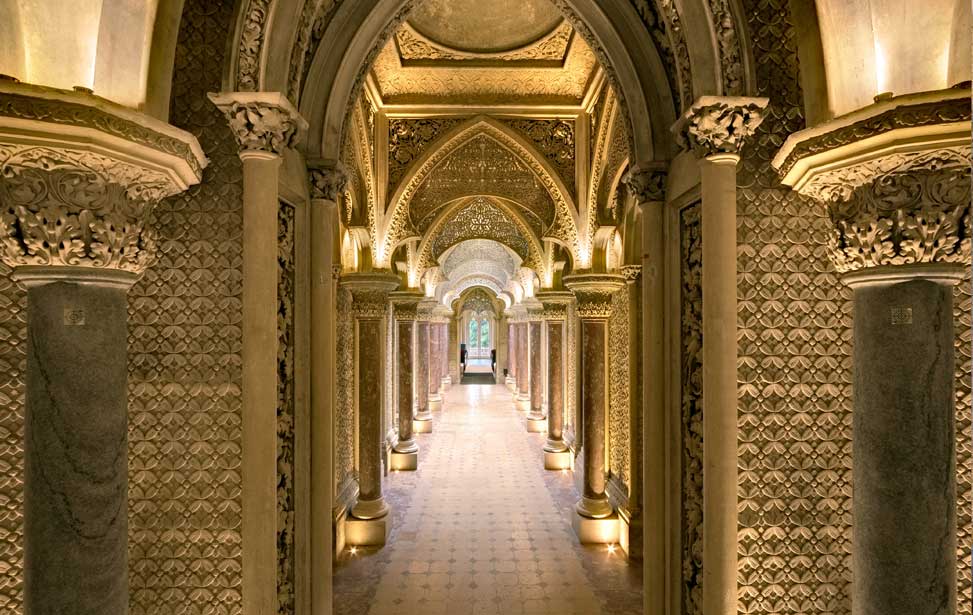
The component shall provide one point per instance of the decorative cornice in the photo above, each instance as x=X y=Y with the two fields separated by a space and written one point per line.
x=80 y=195
x=405 y=304
x=555 y=304
x=327 y=181
x=646 y=184
x=369 y=293
x=828 y=162
x=594 y=293
x=719 y=124
x=905 y=218
x=262 y=122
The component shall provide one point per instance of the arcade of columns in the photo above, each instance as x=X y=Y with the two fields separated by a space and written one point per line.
x=75 y=233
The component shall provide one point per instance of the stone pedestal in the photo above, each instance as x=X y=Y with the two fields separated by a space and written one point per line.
x=370 y=292
x=80 y=176
x=422 y=422
x=594 y=294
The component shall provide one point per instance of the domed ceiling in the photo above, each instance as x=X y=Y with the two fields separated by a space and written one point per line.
x=484 y=26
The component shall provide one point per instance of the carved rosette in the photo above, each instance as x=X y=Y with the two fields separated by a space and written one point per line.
x=555 y=304
x=262 y=122
x=327 y=182
x=83 y=198
x=369 y=293
x=405 y=304
x=717 y=125
x=646 y=185
x=593 y=292
x=913 y=217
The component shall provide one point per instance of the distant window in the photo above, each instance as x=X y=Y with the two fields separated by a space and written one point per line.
x=474 y=334
x=484 y=333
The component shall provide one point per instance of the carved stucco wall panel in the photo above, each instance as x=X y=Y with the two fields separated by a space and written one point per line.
x=962 y=309
x=619 y=430
x=13 y=333
x=185 y=341
x=409 y=138
x=286 y=410
x=555 y=141
x=795 y=367
x=571 y=388
x=344 y=417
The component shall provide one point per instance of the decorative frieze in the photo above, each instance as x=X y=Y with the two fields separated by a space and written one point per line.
x=261 y=121
x=83 y=197
x=327 y=182
x=719 y=124
x=594 y=293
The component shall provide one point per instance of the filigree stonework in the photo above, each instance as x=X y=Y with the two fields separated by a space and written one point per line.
x=922 y=216
x=719 y=125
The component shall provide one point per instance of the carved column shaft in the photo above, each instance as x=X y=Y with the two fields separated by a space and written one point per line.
x=74 y=209
x=325 y=185
x=715 y=129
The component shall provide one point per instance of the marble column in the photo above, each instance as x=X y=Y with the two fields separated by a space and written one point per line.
x=445 y=379
x=523 y=368
x=326 y=183
x=898 y=195
x=647 y=185
x=715 y=129
x=511 y=354
x=556 y=453
x=405 y=452
x=370 y=296
x=435 y=383
x=423 y=418
x=594 y=297
x=535 y=413
x=76 y=206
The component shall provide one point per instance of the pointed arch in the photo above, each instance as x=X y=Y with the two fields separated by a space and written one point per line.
x=565 y=222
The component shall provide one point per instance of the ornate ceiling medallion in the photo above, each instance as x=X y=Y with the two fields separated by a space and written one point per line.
x=549 y=51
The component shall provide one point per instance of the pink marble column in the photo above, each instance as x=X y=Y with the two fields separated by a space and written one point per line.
x=511 y=356
x=444 y=357
x=404 y=304
x=369 y=303
x=523 y=373
x=435 y=382
x=423 y=418
x=556 y=454
x=594 y=293
x=536 y=411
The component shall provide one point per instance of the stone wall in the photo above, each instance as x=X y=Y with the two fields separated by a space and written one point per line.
x=344 y=412
x=184 y=360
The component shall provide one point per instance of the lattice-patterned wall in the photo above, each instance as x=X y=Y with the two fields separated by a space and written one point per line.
x=962 y=306
x=571 y=378
x=286 y=410
x=619 y=430
x=13 y=332
x=184 y=361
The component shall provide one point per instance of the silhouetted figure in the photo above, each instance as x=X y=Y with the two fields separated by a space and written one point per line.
x=493 y=361
x=462 y=357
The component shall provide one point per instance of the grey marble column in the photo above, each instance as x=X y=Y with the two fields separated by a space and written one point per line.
x=535 y=352
x=423 y=416
x=76 y=447
x=435 y=383
x=511 y=356
x=523 y=370
x=370 y=293
x=594 y=292
x=904 y=472
x=444 y=356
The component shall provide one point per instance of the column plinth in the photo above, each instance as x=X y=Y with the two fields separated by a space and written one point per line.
x=594 y=297
x=370 y=295
x=74 y=230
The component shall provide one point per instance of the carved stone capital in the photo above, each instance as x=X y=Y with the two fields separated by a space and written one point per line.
x=594 y=293
x=327 y=182
x=264 y=123
x=79 y=177
x=719 y=124
x=555 y=304
x=426 y=309
x=405 y=304
x=646 y=184
x=369 y=293
x=905 y=218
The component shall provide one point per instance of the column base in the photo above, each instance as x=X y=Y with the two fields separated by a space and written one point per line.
x=423 y=425
x=536 y=425
x=368 y=532
x=522 y=402
x=405 y=461
x=445 y=383
x=435 y=402
x=509 y=381
x=557 y=460
x=590 y=531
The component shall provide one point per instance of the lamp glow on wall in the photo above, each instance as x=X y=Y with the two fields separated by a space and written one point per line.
x=101 y=45
x=875 y=47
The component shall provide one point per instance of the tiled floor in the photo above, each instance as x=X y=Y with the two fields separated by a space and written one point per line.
x=483 y=528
